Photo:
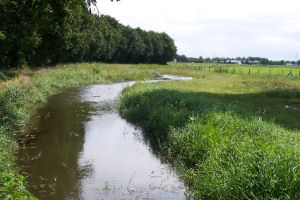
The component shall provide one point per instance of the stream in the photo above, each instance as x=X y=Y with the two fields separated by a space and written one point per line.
x=78 y=147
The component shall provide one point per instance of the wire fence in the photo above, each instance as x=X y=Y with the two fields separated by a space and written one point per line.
x=284 y=72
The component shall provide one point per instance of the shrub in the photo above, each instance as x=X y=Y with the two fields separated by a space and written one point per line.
x=12 y=187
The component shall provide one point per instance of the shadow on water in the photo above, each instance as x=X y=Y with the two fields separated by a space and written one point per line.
x=50 y=150
x=78 y=147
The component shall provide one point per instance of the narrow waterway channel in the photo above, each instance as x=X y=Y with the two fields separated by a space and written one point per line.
x=78 y=147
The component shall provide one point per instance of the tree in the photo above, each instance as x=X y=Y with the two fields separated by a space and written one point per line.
x=169 y=49
x=182 y=58
x=201 y=60
x=19 y=31
x=35 y=32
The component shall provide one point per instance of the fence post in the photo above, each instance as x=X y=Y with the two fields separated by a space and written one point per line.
x=249 y=71
x=209 y=68
x=258 y=71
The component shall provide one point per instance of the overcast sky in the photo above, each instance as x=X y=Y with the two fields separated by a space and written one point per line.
x=223 y=28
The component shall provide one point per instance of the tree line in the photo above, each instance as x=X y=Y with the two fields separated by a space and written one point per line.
x=47 y=32
x=243 y=60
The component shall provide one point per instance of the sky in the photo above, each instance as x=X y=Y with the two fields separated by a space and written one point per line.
x=217 y=28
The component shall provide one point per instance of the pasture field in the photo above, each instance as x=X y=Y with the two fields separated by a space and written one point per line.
x=272 y=97
x=270 y=70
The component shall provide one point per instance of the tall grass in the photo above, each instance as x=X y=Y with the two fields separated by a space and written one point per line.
x=221 y=151
x=19 y=97
x=232 y=157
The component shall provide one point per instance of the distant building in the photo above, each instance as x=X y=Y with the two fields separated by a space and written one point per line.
x=234 y=61
x=255 y=62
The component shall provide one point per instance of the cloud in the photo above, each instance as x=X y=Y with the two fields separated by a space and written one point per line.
x=268 y=28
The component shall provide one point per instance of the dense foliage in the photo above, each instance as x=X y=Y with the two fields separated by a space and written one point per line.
x=12 y=187
x=35 y=32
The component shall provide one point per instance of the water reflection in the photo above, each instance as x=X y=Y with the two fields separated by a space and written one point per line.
x=50 y=151
x=78 y=147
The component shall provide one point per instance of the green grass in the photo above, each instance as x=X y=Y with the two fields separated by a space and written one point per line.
x=178 y=64
x=230 y=136
x=227 y=156
x=19 y=98
x=255 y=70
x=196 y=125
x=272 y=98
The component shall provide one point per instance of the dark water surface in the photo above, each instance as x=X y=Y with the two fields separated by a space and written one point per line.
x=78 y=147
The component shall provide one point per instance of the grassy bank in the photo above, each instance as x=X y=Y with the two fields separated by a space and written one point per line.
x=225 y=132
x=230 y=136
x=273 y=98
x=20 y=96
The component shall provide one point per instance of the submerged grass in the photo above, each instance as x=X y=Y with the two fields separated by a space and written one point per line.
x=20 y=96
x=214 y=131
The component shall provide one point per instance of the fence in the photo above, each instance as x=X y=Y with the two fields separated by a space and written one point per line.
x=288 y=72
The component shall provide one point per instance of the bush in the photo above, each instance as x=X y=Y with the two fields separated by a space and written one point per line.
x=12 y=187
x=3 y=77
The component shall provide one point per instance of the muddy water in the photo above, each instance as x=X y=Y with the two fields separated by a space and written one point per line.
x=78 y=147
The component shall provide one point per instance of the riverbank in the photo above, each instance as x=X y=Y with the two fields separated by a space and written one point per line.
x=219 y=110
x=230 y=136
x=20 y=96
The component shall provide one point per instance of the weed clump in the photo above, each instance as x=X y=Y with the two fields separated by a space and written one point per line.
x=14 y=186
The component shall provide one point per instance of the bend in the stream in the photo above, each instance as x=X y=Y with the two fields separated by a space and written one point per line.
x=78 y=147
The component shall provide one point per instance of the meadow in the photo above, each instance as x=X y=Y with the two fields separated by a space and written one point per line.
x=230 y=136
x=270 y=70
